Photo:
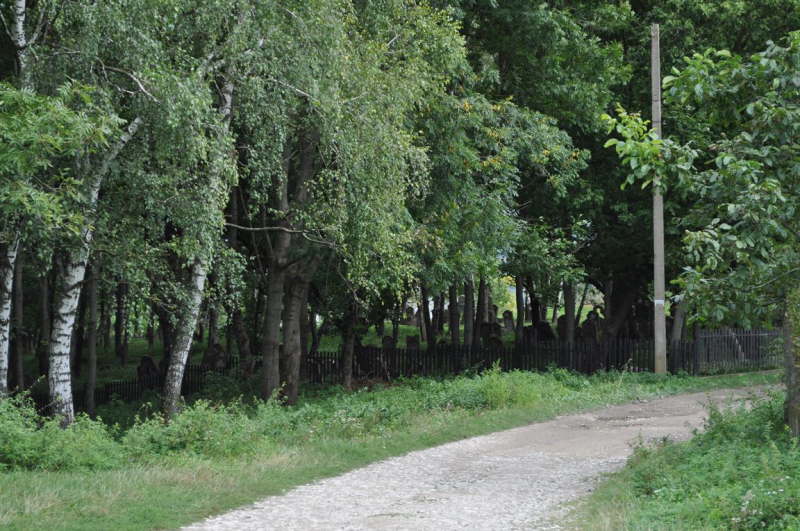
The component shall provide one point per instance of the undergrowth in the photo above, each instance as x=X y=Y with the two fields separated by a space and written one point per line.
x=222 y=425
x=741 y=472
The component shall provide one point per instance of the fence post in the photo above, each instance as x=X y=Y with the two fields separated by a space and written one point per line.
x=696 y=352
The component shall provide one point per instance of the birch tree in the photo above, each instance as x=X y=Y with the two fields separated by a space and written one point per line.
x=39 y=134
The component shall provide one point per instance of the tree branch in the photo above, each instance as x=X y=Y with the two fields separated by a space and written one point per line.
x=133 y=77
x=5 y=26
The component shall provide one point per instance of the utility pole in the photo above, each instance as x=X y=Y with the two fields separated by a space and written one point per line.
x=660 y=332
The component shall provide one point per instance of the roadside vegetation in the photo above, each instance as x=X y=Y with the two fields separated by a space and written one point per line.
x=138 y=472
x=741 y=472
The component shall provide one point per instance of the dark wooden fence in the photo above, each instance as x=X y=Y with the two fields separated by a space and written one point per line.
x=711 y=352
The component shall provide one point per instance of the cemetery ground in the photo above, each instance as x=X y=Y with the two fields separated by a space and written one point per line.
x=222 y=452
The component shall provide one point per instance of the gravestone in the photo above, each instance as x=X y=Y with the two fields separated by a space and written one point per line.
x=408 y=318
x=561 y=327
x=495 y=343
x=388 y=342
x=529 y=334
x=544 y=332
x=412 y=342
x=489 y=331
x=214 y=357
x=147 y=371
x=508 y=321
x=590 y=329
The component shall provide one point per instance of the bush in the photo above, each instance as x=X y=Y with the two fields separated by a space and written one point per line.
x=742 y=472
x=201 y=429
x=28 y=440
x=221 y=425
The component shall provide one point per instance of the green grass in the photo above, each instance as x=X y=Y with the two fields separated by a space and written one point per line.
x=742 y=472
x=214 y=458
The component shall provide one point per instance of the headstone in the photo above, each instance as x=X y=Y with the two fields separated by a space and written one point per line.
x=388 y=342
x=529 y=334
x=495 y=343
x=408 y=318
x=508 y=321
x=561 y=327
x=214 y=357
x=544 y=332
x=147 y=371
x=493 y=309
x=412 y=342
x=590 y=329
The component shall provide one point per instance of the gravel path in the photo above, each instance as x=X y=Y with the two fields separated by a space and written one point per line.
x=515 y=479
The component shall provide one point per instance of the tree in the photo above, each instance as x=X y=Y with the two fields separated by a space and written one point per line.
x=39 y=133
x=741 y=237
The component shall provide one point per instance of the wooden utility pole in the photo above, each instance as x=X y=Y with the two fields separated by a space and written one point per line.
x=660 y=332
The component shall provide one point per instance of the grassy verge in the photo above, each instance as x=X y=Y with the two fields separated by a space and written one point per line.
x=216 y=457
x=742 y=472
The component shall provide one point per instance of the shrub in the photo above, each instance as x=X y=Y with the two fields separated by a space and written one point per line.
x=28 y=440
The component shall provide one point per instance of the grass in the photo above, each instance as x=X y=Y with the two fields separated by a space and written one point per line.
x=215 y=458
x=742 y=472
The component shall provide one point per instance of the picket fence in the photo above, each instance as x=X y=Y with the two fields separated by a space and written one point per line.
x=711 y=352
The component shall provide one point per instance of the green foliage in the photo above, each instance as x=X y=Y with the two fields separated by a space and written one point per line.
x=232 y=427
x=652 y=160
x=742 y=472
x=40 y=138
x=742 y=231
x=28 y=440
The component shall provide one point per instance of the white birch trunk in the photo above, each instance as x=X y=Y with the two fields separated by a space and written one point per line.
x=188 y=321
x=67 y=290
x=8 y=258
x=20 y=40
x=9 y=250
x=183 y=339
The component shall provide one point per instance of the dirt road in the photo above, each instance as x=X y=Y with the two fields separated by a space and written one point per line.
x=515 y=479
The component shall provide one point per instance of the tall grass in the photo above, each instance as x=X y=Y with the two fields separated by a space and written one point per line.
x=137 y=472
x=742 y=472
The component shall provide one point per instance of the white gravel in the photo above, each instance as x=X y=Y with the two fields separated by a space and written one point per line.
x=515 y=479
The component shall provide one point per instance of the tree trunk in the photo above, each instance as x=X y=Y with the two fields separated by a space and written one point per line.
x=396 y=316
x=167 y=333
x=242 y=338
x=91 y=339
x=19 y=330
x=618 y=302
x=68 y=286
x=8 y=258
x=305 y=326
x=556 y=304
x=213 y=325
x=69 y=277
x=105 y=319
x=452 y=310
x=44 y=325
x=183 y=339
x=480 y=316
x=519 y=329
x=295 y=295
x=677 y=323
x=348 y=346
x=791 y=342
x=430 y=333
x=270 y=337
x=120 y=318
x=569 y=311
x=469 y=311
x=579 y=314
x=76 y=353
